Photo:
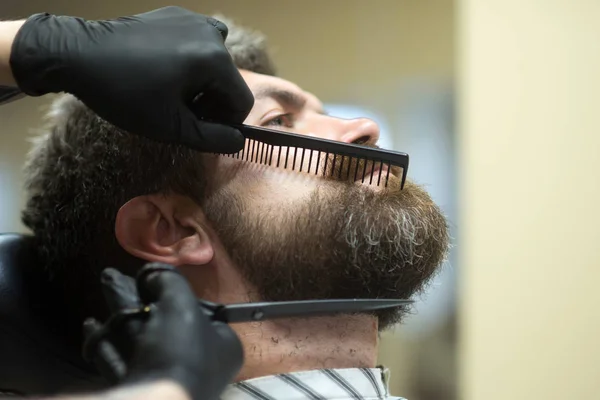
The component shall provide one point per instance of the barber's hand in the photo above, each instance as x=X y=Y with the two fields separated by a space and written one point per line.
x=140 y=73
x=177 y=342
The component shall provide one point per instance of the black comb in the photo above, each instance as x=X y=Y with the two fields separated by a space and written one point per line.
x=342 y=160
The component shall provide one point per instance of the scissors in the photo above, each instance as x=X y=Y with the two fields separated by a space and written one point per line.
x=247 y=312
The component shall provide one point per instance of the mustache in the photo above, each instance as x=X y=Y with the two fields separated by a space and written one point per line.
x=353 y=169
x=330 y=166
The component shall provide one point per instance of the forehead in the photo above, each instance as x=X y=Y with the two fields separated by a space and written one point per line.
x=259 y=83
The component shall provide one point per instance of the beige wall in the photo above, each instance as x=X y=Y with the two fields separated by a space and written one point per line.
x=529 y=149
x=314 y=40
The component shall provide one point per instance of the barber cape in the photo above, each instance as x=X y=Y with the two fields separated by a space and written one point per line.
x=321 y=384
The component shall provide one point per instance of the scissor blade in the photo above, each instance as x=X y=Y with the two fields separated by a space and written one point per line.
x=247 y=312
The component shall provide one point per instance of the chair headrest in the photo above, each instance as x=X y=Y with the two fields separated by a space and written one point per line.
x=36 y=356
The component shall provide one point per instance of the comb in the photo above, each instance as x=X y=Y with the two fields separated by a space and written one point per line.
x=322 y=157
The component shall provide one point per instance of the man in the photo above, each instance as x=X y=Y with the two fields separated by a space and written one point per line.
x=238 y=231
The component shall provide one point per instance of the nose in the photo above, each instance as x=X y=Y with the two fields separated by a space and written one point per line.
x=360 y=131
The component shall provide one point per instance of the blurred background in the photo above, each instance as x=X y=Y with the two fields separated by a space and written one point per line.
x=496 y=101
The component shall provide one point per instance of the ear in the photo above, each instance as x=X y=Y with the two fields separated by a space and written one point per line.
x=164 y=228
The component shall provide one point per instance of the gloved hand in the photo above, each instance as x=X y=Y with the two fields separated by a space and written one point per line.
x=140 y=73
x=177 y=341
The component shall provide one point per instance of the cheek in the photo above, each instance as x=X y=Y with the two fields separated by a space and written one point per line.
x=264 y=188
x=295 y=160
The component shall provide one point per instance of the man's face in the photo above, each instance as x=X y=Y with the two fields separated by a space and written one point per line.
x=283 y=105
x=297 y=236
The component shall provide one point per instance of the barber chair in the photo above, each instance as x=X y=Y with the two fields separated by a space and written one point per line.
x=36 y=356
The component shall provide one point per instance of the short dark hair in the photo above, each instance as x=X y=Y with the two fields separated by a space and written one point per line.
x=81 y=170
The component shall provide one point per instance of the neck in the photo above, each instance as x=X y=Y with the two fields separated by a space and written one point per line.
x=289 y=345
x=286 y=345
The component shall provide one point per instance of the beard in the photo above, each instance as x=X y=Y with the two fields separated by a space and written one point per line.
x=345 y=241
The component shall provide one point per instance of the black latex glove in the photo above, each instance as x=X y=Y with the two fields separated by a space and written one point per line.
x=140 y=73
x=177 y=341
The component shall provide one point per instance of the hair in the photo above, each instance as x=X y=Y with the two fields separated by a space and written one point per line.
x=81 y=170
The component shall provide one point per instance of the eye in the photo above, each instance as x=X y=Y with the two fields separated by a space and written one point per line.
x=283 y=120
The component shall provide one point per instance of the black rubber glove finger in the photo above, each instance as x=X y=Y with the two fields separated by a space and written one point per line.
x=106 y=358
x=162 y=281
x=227 y=98
x=223 y=97
x=209 y=136
x=120 y=291
x=233 y=355
x=221 y=27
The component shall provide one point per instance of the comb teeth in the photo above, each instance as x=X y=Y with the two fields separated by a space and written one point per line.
x=271 y=156
x=263 y=153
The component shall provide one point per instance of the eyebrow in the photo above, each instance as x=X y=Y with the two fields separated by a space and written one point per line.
x=288 y=98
